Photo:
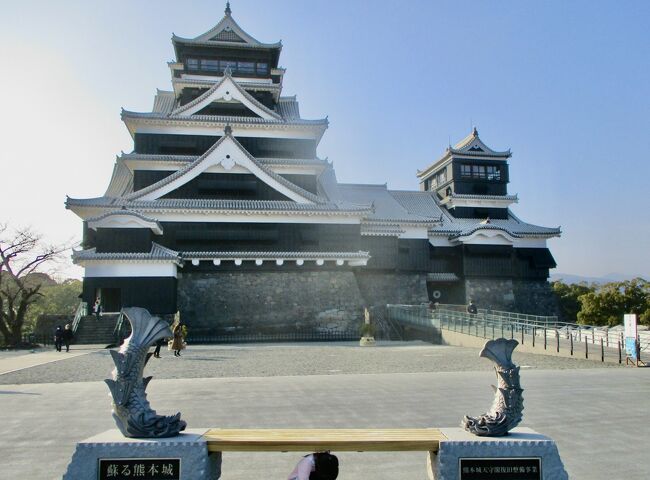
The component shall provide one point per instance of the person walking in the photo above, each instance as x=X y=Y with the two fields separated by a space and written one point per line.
x=159 y=344
x=58 y=338
x=471 y=308
x=97 y=307
x=67 y=336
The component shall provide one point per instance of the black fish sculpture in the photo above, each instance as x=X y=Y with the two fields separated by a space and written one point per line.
x=506 y=411
x=131 y=410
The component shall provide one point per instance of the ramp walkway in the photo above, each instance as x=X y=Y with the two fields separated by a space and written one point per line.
x=536 y=334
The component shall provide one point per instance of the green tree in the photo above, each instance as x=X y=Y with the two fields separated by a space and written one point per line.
x=23 y=255
x=568 y=296
x=609 y=302
x=55 y=299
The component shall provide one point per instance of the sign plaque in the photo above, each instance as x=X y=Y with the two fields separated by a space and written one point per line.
x=139 y=468
x=517 y=468
x=629 y=321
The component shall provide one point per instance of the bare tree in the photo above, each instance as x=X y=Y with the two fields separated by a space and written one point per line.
x=22 y=255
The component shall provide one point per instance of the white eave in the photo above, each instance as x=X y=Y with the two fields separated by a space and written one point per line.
x=485 y=201
x=124 y=219
x=359 y=258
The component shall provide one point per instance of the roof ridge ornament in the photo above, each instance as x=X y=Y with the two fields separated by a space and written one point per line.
x=228 y=11
x=227 y=131
x=474 y=131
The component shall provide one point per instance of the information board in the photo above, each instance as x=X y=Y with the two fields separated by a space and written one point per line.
x=520 y=468
x=139 y=468
x=629 y=322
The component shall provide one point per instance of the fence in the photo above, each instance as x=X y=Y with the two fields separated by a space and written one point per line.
x=309 y=336
x=539 y=332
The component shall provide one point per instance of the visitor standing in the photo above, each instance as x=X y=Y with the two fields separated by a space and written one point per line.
x=67 y=336
x=471 y=308
x=58 y=338
x=317 y=466
x=178 y=330
x=97 y=307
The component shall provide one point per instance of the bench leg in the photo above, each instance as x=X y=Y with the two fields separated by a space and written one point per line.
x=214 y=460
x=432 y=458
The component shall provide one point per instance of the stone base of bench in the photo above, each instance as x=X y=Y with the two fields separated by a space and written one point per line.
x=452 y=453
x=189 y=448
x=495 y=457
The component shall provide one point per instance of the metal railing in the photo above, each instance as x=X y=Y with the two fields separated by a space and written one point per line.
x=81 y=311
x=308 y=336
x=540 y=332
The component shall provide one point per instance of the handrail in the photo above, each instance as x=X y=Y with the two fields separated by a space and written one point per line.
x=82 y=310
x=492 y=323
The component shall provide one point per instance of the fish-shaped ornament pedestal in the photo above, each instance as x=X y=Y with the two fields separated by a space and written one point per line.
x=506 y=411
x=131 y=410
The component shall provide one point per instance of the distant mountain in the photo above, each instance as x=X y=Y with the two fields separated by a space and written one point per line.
x=610 y=277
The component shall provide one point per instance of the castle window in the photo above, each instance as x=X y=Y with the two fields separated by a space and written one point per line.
x=493 y=172
x=246 y=67
x=241 y=68
x=478 y=171
x=482 y=172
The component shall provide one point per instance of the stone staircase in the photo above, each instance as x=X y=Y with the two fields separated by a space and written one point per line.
x=96 y=331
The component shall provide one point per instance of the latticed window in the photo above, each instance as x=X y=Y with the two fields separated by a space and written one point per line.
x=227 y=36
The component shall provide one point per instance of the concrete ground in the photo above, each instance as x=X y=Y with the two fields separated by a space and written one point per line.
x=596 y=415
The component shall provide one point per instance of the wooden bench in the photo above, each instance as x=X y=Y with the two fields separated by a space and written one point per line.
x=319 y=440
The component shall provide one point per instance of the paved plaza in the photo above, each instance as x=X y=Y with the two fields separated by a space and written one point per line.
x=594 y=412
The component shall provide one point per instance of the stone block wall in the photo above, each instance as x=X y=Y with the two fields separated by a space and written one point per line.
x=534 y=297
x=380 y=288
x=270 y=302
x=492 y=293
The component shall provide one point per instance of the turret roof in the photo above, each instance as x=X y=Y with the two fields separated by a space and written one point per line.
x=226 y=33
x=470 y=146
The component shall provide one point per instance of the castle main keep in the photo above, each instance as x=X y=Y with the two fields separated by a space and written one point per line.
x=224 y=211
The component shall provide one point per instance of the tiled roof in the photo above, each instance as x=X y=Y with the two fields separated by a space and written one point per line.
x=158 y=157
x=289 y=108
x=210 y=81
x=226 y=206
x=381 y=229
x=191 y=158
x=442 y=277
x=483 y=197
x=121 y=181
x=164 y=102
x=157 y=253
x=221 y=119
x=418 y=203
x=461 y=227
x=385 y=206
x=238 y=37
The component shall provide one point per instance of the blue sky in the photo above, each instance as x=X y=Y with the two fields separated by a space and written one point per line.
x=565 y=85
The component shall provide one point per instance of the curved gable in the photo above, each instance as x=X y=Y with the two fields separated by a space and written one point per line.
x=226 y=155
x=229 y=91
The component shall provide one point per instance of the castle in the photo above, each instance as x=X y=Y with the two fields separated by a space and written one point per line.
x=224 y=211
